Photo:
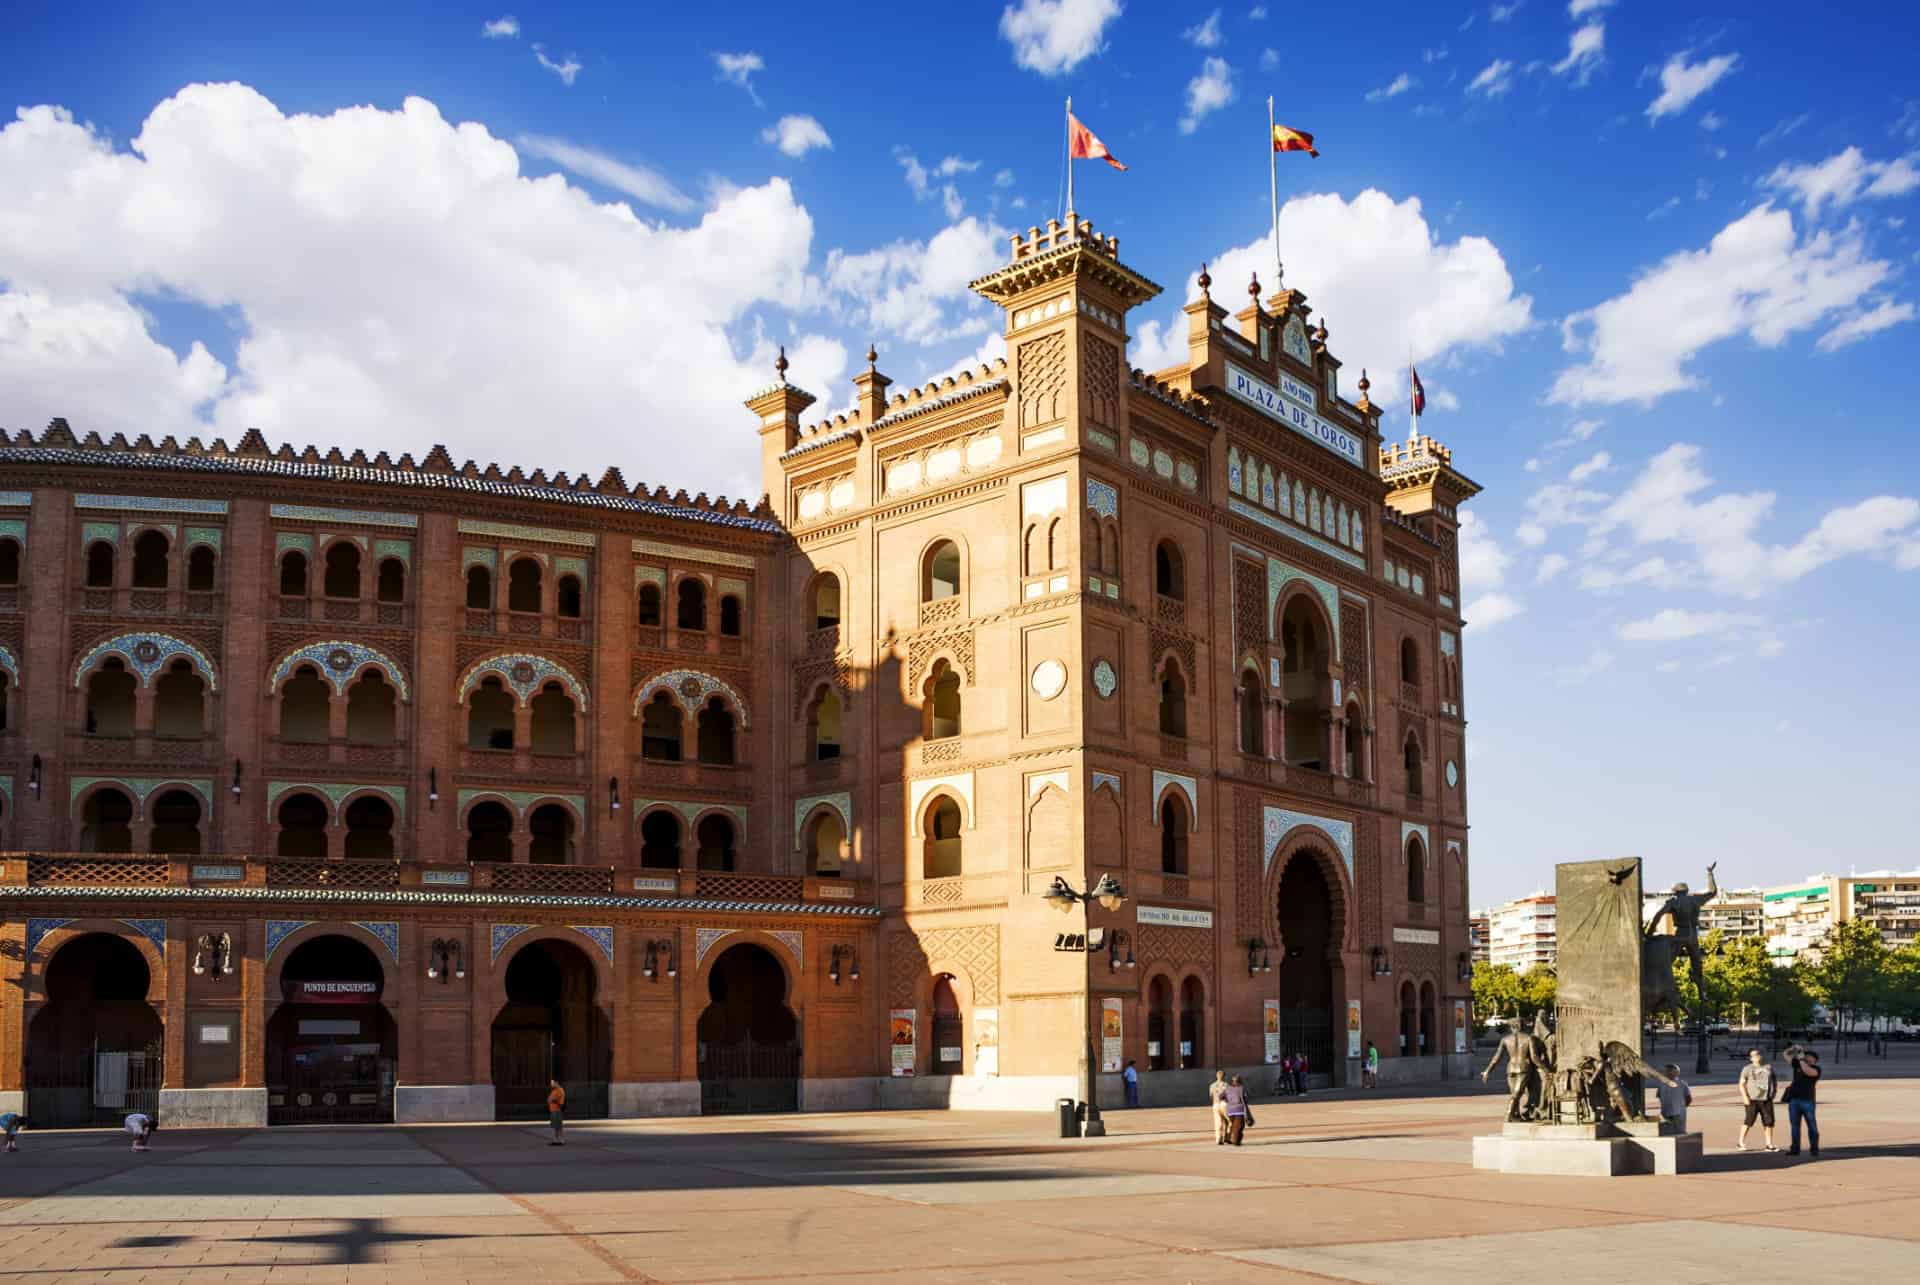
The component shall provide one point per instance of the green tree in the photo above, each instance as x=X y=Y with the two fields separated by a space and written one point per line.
x=1538 y=986
x=1744 y=973
x=1496 y=991
x=1903 y=983
x=1850 y=974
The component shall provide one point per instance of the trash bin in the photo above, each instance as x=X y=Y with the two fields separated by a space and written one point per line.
x=1069 y=1117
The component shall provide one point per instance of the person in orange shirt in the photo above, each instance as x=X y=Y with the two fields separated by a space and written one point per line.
x=556 y=1111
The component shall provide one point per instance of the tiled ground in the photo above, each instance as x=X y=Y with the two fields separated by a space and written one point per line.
x=1338 y=1187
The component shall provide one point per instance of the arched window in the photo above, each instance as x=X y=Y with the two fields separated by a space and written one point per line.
x=569 y=598
x=176 y=824
x=949 y=1054
x=1411 y=757
x=940 y=577
x=1168 y=577
x=942 y=856
x=1356 y=765
x=150 y=561
x=1416 y=871
x=1173 y=835
x=1033 y=551
x=716 y=733
x=303 y=827
x=826 y=602
x=1173 y=701
x=553 y=719
x=1110 y=546
x=730 y=617
x=826 y=845
x=1193 y=1023
x=100 y=565
x=479 y=587
x=200 y=567
x=1409 y=1020
x=823 y=726
x=9 y=562
x=648 y=610
x=1056 y=545
x=490 y=716
x=1429 y=1021
x=1159 y=1024
x=715 y=837
x=1253 y=723
x=110 y=700
x=293 y=574
x=369 y=829
x=1303 y=671
x=660 y=729
x=342 y=576
x=550 y=835
x=1409 y=662
x=489 y=832
x=943 y=702
x=690 y=609
x=179 y=702
x=106 y=822
x=372 y=711
x=304 y=707
x=660 y=841
x=523 y=585
x=392 y=584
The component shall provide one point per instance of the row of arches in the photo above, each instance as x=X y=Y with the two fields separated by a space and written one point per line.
x=526 y=589
x=341 y=576
x=151 y=565
x=689 y=608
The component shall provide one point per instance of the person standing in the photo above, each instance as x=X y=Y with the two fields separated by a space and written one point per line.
x=1283 y=1080
x=1132 y=1078
x=1370 y=1077
x=10 y=1122
x=140 y=1125
x=1675 y=1098
x=556 y=1111
x=1300 y=1073
x=1235 y=1102
x=1217 y=1107
x=1799 y=1099
x=1756 y=1090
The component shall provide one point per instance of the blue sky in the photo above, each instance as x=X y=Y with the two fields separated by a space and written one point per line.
x=1656 y=263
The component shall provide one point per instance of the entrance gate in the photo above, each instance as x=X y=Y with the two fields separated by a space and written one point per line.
x=93 y=1048
x=747 y=1078
x=332 y=1051
x=749 y=1041
x=550 y=1028
x=101 y=1087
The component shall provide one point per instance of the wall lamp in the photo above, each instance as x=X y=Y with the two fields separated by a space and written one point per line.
x=33 y=777
x=443 y=957
x=1114 y=940
x=659 y=956
x=215 y=950
x=613 y=795
x=433 y=786
x=1258 y=960
x=236 y=778
x=1382 y=967
x=853 y=964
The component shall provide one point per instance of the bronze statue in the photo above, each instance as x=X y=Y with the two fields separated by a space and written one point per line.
x=1683 y=907
x=1528 y=1067
x=1621 y=1066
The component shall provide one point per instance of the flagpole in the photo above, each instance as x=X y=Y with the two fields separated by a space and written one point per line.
x=1069 y=157
x=1273 y=188
x=1413 y=401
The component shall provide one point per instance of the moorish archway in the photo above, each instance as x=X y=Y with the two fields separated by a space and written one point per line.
x=749 y=1039
x=332 y=1048
x=94 y=1048
x=551 y=1027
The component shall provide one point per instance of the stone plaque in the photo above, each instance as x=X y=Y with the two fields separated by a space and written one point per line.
x=1598 y=912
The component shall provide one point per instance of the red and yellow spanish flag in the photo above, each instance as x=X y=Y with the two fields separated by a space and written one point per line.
x=1292 y=140
x=1082 y=145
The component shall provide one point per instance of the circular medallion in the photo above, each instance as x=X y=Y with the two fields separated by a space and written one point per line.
x=329 y=1098
x=146 y=651
x=1453 y=774
x=1105 y=681
x=303 y=1099
x=690 y=688
x=522 y=673
x=340 y=659
x=1049 y=679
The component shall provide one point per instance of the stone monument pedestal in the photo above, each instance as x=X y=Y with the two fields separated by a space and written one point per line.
x=1588 y=1150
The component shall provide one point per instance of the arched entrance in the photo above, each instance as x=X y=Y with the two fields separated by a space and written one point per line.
x=331 y=1044
x=1306 y=971
x=949 y=1054
x=94 y=1048
x=749 y=1039
x=550 y=1028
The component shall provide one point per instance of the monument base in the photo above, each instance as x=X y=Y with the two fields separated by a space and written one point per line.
x=1589 y=1150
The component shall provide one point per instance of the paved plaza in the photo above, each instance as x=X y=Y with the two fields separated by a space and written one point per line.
x=1336 y=1187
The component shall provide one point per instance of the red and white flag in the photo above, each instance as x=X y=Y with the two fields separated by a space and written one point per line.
x=1082 y=145
x=1419 y=392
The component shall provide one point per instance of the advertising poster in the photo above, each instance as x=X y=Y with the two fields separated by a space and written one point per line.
x=1271 y=1025
x=1353 y=1028
x=1459 y=1026
x=1110 y=1034
x=986 y=1045
x=900 y=1038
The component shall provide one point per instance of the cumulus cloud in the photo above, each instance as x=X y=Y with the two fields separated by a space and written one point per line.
x=796 y=135
x=1483 y=573
x=1494 y=80
x=1505 y=12
x=1598 y=662
x=1599 y=463
x=1581 y=8
x=1844 y=178
x=506 y=27
x=1586 y=50
x=1550 y=568
x=1208 y=92
x=1206 y=35
x=567 y=69
x=739 y=69
x=1676 y=623
x=1681 y=82
x=1870 y=321
x=1055 y=36
x=1398 y=85
x=643 y=184
x=1755 y=278
x=918 y=290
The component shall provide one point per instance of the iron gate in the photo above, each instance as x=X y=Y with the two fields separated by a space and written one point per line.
x=1310 y=1031
x=333 y=1084
x=97 y=1087
x=523 y=1063
x=747 y=1078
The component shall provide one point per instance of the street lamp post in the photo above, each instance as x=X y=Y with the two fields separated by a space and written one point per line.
x=1063 y=897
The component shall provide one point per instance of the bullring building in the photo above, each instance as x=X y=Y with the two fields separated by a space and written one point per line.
x=347 y=789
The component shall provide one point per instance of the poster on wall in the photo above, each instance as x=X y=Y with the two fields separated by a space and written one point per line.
x=1110 y=1034
x=1353 y=1028
x=900 y=1037
x=986 y=1041
x=1271 y=1025
x=1459 y=1026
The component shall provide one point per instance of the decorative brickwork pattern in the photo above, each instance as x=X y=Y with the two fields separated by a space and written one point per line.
x=733 y=887
x=1160 y=642
x=1249 y=865
x=1178 y=948
x=922 y=651
x=973 y=948
x=1353 y=643
x=1249 y=608
x=1042 y=377
x=1100 y=380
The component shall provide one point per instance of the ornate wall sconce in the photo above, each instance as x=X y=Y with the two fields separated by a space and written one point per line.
x=213 y=952
x=33 y=777
x=1258 y=959
x=433 y=786
x=1115 y=940
x=444 y=957
x=659 y=957
x=853 y=964
x=1381 y=966
x=236 y=778
x=613 y=795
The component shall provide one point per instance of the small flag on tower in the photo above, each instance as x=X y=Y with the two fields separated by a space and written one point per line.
x=1419 y=392
x=1083 y=145
x=1292 y=140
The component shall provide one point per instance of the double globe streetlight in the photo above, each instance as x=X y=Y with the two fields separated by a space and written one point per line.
x=1063 y=897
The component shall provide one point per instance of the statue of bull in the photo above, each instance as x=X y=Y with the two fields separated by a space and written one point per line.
x=1659 y=993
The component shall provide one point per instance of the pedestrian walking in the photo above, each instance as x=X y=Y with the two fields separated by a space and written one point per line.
x=1756 y=1090
x=556 y=1111
x=1217 y=1107
x=140 y=1125
x=1674 y=1098
x=1300 y=1073
x=1370 y=1074
x=1235 y=1100
x=1799 y=1099
x=11 y=1121
x=1132 y=1078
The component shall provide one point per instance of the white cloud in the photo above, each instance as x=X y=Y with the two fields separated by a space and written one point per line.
x=567 y=69
x=1399 y=85
x=1003 y=178
x=1433 y=55
x=1550 y=567
x=1531 y=534
x=1844 y=178
x=1676 y=623
x=1055 y=36
x=1258 y=13
x=1483 y=573
x=1663 y=209
x=1586 y=50
x=1206 y=35
x=1495 y=79
x=1754 y=278
x=1655 y=571
x=1269 y=59
x=1711 y=121
x=739 y=69
x=506 y=27
x=1599 y=463
x=1781 y=129
x=1580 y=430
x=1581 y=8
x=643 y=184
x=1907 y=558
x=1533 y=466
x=1208 y=92
x=1672 y=666
x=1158 y=345
x=1505 y=12
x=918 y=291
x=797 y=135
x=1598 y=662
x=1681 y=81
x=1861 y=324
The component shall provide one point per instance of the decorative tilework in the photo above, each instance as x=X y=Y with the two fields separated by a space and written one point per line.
x=600 y=935
x=687 y=552
x=473 y=555
x=655 y=576
x=791 y=940
x=149 y=504
x=513 y=531
x=1105 y=681
x=1407 y=829
x=142 y=786
x=1293 y=341
x=286 y=540
x=37 y=930
x=525 y=674
x=1106 y=780
x=841 y=803
x=340 y=663
x=401 y=549
x=208 y=535
x=1102 y=498
x=337 y=791
x=504 y=933
x=92 y=533
x=6 y=789
x=1278 y=573
x=353 y=517
x=11 y=665
x=1187 y=786
x=1277 y=821
x=729 y=584
x=691 y=810
x=571 y=567
x=16 y=499
x=1447 y=643
x=387 y=932
x=154 y=930
x=446 y=878
x=147 y=654
x=1293 y=532
x=278 y=930
x=704 y=940
x=521 y=799
x=690 y=688
x=15 y=528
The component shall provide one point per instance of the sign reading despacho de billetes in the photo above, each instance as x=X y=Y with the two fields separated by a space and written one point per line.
x=1597 y=913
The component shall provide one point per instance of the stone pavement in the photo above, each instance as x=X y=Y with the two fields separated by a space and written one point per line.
x=1352 y=1187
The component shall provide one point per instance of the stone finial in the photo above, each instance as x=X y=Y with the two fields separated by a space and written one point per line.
x=1364 y=385
x=1320 y=334
x=872 y=355
x=780 y=364
x=1205 y=282
x=1253 y=289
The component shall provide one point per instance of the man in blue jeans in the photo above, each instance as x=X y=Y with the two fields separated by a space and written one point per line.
x=1800 y=1099
x=1131 y=1077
